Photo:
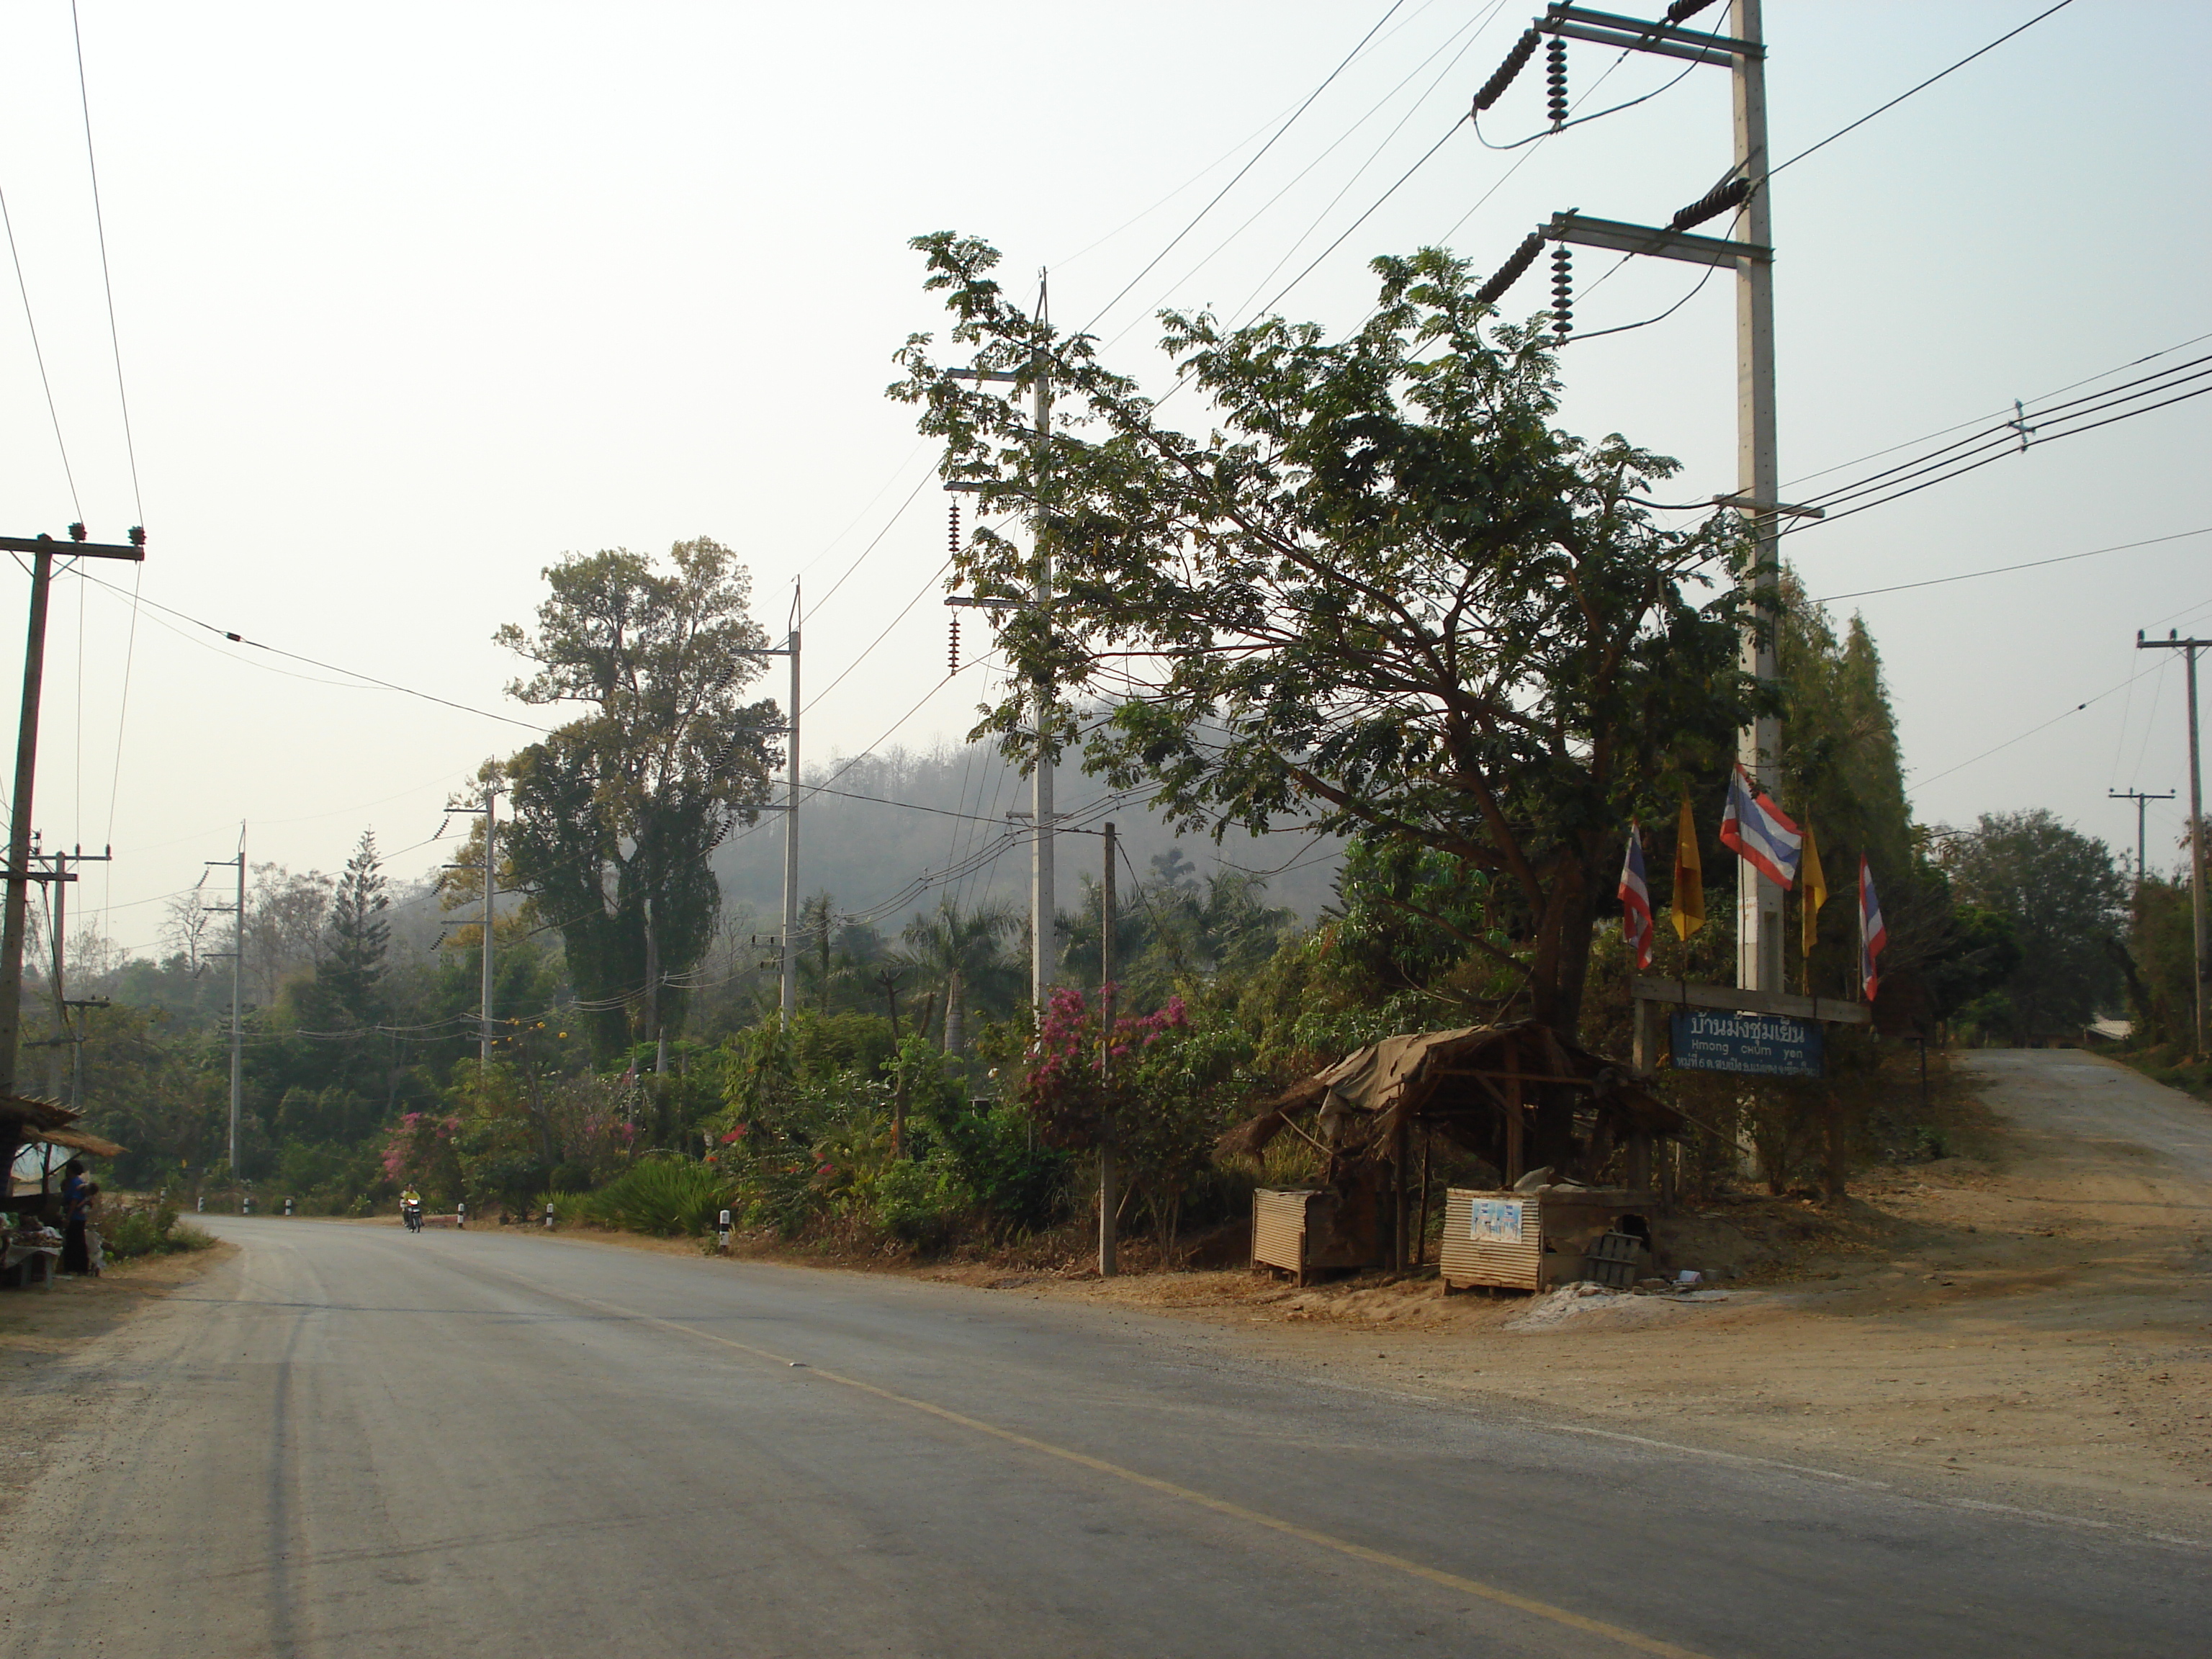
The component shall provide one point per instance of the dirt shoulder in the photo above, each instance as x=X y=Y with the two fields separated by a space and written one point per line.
x=46 y=1334
x=2030 y=1324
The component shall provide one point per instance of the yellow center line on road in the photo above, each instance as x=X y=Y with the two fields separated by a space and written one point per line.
x=1451 y=1581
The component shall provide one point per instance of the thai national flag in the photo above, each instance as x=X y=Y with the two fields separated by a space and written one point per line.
x=1760 y=831
x=1873 y=936
x=1636 y=902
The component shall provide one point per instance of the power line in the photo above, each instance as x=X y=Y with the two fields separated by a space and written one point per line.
x=1229 y=153
x=2007 y=570
x=1154 y=261
x=859 y=558
x=1923 y=86
x=2028 y=429
x=2033 y=730
x=1375 y=156
x=311 y=662
x=107 y=281
x=39 y=352
x=1594 y=115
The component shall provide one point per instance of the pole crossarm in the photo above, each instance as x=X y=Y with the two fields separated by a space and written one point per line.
x=1655 y=241
x=1606 y=28
x=72 y=550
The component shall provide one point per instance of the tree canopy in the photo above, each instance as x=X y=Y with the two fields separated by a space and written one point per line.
x=616 y=812
x=2065 y=899
x=1383 y=593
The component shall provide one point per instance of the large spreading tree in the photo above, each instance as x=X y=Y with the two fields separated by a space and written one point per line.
x=1378 y=590
x=616 y=812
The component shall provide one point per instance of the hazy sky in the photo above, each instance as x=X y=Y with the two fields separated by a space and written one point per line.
x=413 y=298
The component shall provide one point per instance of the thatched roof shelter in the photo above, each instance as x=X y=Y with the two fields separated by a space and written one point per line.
x=26 y=1120
x=1513 y=1094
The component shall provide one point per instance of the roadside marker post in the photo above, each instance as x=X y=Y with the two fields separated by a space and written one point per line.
x=722 y=1234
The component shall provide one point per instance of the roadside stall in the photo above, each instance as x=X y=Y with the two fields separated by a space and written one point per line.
x=40 y=1137
x=1518 y=1096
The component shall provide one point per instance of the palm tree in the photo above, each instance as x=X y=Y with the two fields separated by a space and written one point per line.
x=958 y=950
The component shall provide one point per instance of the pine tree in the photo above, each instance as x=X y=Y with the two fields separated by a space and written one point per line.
x=351 y=977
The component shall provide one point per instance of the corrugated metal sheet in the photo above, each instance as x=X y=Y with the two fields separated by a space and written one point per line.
x=1465 y=1260
x=1279 y=1229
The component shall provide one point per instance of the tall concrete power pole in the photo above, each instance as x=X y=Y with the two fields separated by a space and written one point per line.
x=237 y=955
x=788 y=963
x=2189 y=648
x=1749 y=253
x=1044 y=912
x=490 y=913
x=1760 y=909
x=488 y=870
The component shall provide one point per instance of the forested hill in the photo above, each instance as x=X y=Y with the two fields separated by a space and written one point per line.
x=876 y=828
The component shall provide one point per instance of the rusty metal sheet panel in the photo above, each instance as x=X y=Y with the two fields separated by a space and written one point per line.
x=1492 y=1238
x=1279 y=1229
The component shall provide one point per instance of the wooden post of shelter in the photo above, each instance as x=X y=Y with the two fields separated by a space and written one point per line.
x=1515 y=1159
x=1398 y=1141
x=1421 y=1226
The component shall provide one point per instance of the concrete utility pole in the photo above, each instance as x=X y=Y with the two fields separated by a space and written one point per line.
x=2140 y=801
x=1044 y=912
x=1760 y=927
x=237 y=955
x=1759 y=910
x=490 y=893
x=1109 y=1198
x=2189 y=648
x=42 y=550
x=787 y=993
x=489 y=870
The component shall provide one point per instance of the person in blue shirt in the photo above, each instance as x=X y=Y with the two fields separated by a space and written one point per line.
x=76 y=1213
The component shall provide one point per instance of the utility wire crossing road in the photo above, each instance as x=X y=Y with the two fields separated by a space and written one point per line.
x=349 y=1441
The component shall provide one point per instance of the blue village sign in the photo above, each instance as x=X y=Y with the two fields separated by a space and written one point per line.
x=1765 y=1045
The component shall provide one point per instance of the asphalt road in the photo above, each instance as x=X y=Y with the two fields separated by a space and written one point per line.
x=349 y=1442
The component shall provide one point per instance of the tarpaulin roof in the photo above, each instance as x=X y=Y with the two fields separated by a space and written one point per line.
x=1461 y=1082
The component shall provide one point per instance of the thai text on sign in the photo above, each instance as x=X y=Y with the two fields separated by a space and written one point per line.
x=1764 y=1045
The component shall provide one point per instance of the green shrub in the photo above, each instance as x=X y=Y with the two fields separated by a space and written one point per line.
x=920 y=1201
x=661 y=1196
x=154 y=1232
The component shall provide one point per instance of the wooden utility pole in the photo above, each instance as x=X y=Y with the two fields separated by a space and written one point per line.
x=42 y=550
x=61 y=877
x=2189 y=648
x=1108 y=1198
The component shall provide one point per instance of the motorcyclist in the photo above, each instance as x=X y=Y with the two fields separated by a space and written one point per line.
x=410 y=1209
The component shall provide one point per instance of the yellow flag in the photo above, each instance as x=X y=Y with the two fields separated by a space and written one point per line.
x=1689 y=908
x=1813 y=884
